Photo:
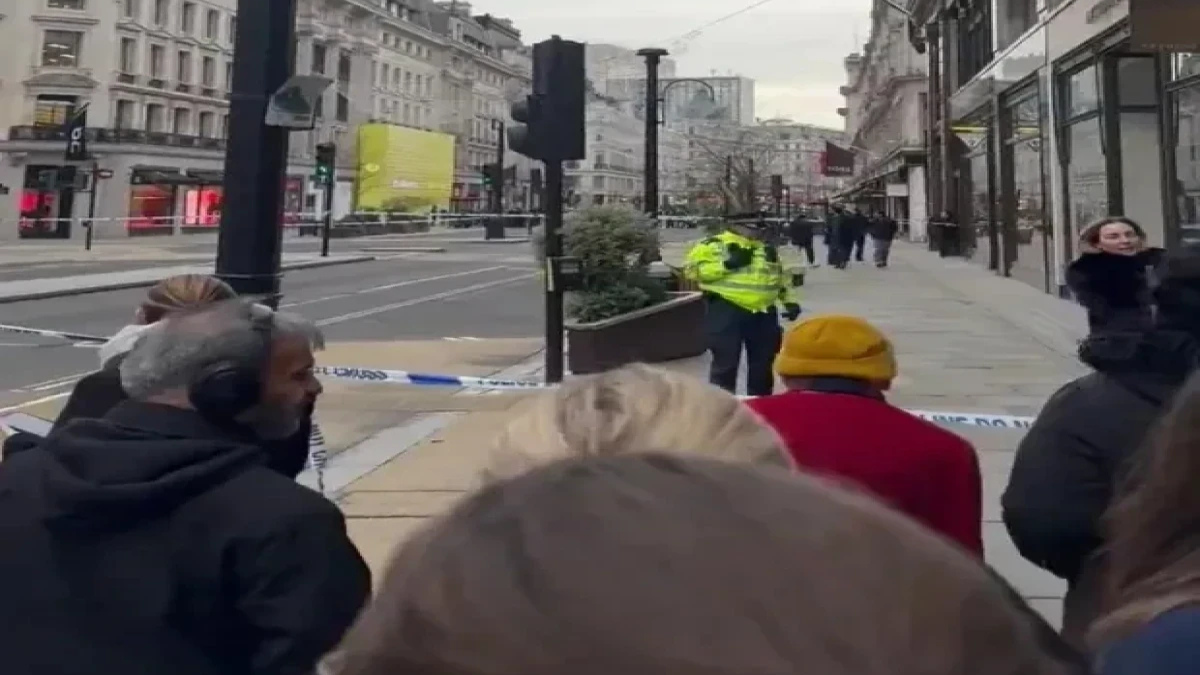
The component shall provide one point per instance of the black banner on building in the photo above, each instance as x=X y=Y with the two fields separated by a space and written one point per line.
x=836 y=161
x=1165 y=25
x=76 y=129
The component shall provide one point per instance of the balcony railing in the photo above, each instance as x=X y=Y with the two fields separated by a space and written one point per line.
x=117 y=137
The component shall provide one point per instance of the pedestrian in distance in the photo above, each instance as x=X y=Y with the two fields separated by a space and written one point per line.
x=835 y=421
x=632 y=407
x=882 y=230
x=801 y=231
x=98 y=392
x=1112 y=278
x=655 y=563
x=156 y=540
x=835 y=224
x=743 y=282
x=858 y=233
x=1151 y=624
x=1086 y=436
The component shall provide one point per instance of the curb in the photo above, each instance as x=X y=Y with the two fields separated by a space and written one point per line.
x=404 y=249
x=146 y=283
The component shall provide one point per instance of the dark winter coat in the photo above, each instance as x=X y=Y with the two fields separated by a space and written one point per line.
x=1168 y=645
x=802 y=230
x=1115 y=289
x=1070 y=462
x=151 y=542
x=97 y=393
x=883 y=229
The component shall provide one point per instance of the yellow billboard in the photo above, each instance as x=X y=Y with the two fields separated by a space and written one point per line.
x=403 y=169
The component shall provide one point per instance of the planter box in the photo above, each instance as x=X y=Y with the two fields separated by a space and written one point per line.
x=665 y=332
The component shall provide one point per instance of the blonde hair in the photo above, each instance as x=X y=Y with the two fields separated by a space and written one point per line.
x=634 y=408
x=184 y=291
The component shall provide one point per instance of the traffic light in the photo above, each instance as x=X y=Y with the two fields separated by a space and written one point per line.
x=323 y=174
x=491 y=175
x=550 y=122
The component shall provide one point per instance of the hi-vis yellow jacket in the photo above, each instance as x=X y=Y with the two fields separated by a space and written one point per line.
x=754 y=288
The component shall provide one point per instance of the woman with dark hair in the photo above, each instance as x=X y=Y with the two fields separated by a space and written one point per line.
x=1085 y=437
x=1113 y=276
x=1152 y=626
x=653 y=564
x=96 y=393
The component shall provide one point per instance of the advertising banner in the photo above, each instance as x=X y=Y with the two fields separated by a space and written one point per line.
x=403 y=169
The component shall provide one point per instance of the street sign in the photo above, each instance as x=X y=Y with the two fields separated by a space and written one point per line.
x=294 y=105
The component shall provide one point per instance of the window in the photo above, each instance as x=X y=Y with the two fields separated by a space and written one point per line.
x=212 y=24
x=206 y=124
x=154 y=117
x=60 y=48
x=181 y=121
x=66 y=4
x=183 y=67
x=343 y=68
x=232 y=29
x=408 y=83
x=187 y=18
x=128 y=55
x=1087 y=179
x=1186 y=108
x=162 y=10
x=224 y=126
x=52 y=110
x=343 y=108
x=129 y=9
x=208 y=71
x=228 y=76
x=157 y=56
x=123 y=115
x=318 y=59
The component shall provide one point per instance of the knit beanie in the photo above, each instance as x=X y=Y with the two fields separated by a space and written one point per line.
x=836 y=346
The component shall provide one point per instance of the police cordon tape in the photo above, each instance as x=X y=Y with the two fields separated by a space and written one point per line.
x=76 y=337
x=378 y=376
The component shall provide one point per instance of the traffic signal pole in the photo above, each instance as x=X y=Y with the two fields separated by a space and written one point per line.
x=494 y=227
x=250 y=239
x=555 y=322
x=653 y=57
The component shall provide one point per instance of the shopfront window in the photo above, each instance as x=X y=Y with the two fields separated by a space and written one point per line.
x=980 y=216
x=1184 y=66
x=1186 y=104
x=1083 y=92
x=151 y=209
x=1027 y=230
x=1087 y=177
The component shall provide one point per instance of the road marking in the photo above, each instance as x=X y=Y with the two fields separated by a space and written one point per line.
x=388 y=287
x=36 y=401
x=53 y=383
x=422 y=300
x=463 y=339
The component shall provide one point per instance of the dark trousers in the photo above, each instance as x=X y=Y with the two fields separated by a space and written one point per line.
x=730 y=329
x=860 y=242
x=807 y=248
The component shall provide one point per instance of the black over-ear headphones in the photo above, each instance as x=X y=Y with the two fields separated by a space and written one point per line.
x=225 y=390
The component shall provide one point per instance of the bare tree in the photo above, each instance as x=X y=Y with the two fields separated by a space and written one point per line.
x=737 y=167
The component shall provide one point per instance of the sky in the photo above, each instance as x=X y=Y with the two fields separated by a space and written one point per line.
x=793 y=49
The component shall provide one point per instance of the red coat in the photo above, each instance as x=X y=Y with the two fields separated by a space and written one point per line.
x=920 y=469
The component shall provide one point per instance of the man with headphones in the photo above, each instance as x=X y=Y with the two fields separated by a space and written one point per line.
x=156 y=540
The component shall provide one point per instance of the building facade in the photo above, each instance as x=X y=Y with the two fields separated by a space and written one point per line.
x=613 y=170
x=794 y=154
x=1052 y=113
x=155 y=76
x=886 y=115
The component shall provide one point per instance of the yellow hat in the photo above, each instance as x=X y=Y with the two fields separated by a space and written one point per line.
x=836 y=346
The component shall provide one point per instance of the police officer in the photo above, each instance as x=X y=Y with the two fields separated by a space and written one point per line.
x=742 y=280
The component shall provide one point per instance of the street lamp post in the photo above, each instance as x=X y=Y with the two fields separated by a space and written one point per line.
x=654 y=98
x=653 y=56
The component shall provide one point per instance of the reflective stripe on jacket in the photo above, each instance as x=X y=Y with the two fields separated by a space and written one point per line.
x=755 y=288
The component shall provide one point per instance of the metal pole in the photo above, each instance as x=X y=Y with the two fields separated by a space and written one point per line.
x=327 y=218
x=91 y=226
x=251 y=234
x=650 y=180
x=553 y=249
x=495 y=227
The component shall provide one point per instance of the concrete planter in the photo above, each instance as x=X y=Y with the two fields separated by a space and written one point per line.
x=664 y=332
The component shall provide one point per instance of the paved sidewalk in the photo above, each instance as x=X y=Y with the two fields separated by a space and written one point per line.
x=967 y=341
x=39 y=289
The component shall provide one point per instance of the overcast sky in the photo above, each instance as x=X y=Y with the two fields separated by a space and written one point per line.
x=792 y=48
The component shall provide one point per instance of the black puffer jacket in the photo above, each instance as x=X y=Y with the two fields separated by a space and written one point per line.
x=1115 y=289
x=1070 y=462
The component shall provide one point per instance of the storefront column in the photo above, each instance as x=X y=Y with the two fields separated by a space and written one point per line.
x=918 y=216
x=1058 y=206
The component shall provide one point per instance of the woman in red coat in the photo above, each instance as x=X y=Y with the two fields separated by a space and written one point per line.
x=835 y=422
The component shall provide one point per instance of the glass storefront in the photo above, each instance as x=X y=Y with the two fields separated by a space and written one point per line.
x=1087 y=179
x=1026 y=227
x=1185 y=132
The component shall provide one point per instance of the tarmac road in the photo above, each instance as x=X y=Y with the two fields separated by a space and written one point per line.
x=490 y=293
